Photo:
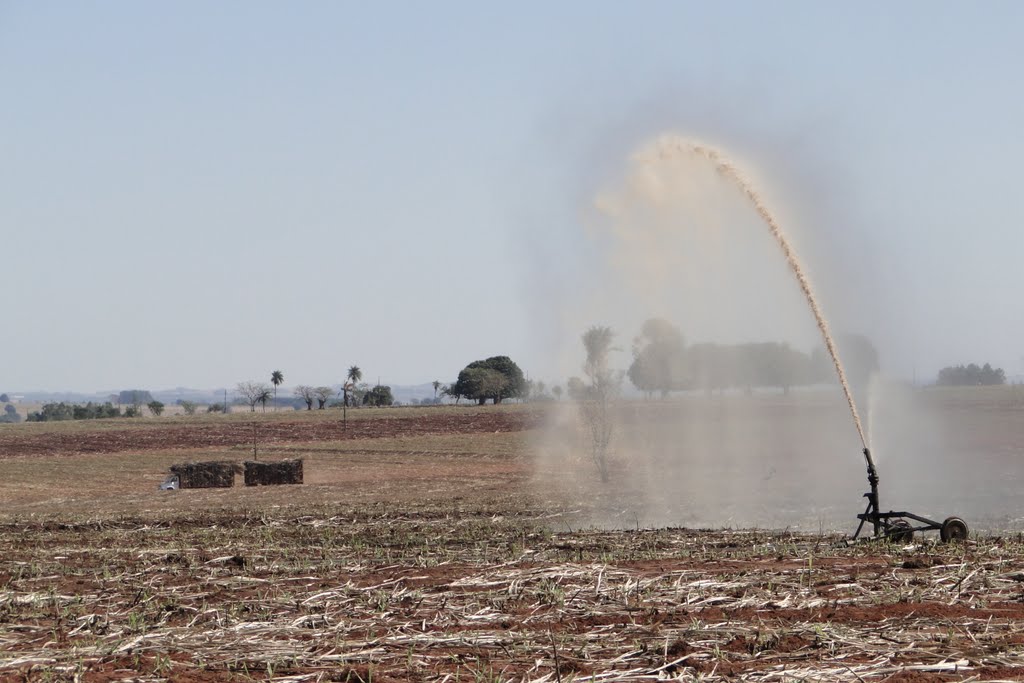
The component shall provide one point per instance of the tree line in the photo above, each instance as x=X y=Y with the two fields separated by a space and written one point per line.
x=353 y=392
x=59 y=411
x=970 y=375
x=663 y=363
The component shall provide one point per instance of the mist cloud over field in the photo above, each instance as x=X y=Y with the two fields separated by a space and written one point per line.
x=676 y=240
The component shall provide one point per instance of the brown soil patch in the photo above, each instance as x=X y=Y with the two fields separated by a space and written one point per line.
x=161 y=437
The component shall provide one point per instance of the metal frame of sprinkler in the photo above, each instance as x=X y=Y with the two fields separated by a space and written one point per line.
x=895 y=526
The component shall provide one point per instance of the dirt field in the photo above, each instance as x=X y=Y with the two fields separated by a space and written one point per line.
x=425 y=545
x=115 y=436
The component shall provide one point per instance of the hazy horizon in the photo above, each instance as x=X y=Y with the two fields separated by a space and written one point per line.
x=195 y=195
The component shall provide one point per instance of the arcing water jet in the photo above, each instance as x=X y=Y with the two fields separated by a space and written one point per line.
x=729 y=170
x=892 y=524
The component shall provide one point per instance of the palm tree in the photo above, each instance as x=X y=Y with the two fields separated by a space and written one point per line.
x=276 y=377
x=354 y=375
x=264 y=397
x=437 y=385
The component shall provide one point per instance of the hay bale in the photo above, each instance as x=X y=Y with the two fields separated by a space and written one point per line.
x=205 y=475
x=273 y=473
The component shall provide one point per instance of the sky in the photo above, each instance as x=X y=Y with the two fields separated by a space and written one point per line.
x=195 y=194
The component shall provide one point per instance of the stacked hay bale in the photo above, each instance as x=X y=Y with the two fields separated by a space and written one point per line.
x=205 y=475
x=273 y=473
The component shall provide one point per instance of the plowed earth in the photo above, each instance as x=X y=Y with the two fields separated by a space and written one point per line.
x=152 y=437
x=491 y=587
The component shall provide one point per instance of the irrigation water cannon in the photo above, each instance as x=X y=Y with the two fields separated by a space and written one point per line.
x=897 y=526
x=893 y=525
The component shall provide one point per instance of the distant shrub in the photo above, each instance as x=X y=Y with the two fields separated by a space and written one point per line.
x=10 y=414
x=56 y=412
x=155 y=407
x=215 y=408
x=95 y=411
x=188 y=406
x=52 y=412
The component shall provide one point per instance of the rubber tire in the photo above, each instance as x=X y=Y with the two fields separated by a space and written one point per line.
x=900 y=531
x=953 y=529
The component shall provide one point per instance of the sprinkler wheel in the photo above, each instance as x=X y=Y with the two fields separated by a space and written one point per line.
x=953 y=529
x=900 y=531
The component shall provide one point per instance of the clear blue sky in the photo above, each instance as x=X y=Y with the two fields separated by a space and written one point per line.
x=195 y=194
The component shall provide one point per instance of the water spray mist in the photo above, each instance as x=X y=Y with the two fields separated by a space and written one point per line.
x=892 y=525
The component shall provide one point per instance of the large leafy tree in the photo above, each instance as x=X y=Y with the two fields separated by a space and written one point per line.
x=659 y=360
x=378 y=396
x=481 y=383
x=495 y=378
x=772 y=364
x=276 y=378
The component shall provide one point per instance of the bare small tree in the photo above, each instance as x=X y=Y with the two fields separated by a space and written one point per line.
x=306 y=393
x=597 y=400
x=253 y=393
x=322 y=394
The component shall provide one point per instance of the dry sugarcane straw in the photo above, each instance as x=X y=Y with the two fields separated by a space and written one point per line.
x=427 y=599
